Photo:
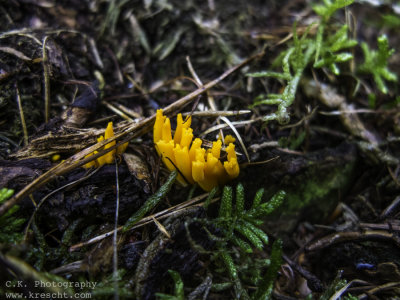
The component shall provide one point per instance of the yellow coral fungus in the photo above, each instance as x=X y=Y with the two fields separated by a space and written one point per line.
x=107 y=158
x=180 y=126
x=228 y=139
x=231 y=166
x=194 y=163
x=158 y=125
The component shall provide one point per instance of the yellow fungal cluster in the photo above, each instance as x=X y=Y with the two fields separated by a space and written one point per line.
x=195 y=163
x=107 y=158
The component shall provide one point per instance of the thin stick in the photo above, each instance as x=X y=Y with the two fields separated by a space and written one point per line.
x=217 y=113
x=376 y=289
x=210 y=99
x=255 y=163
x=46 y=81
x=15 y=52
x=226 y=120
x=220 y=126
x=115 y=252
x=160 y=215
x=192 y=71
x=341 y=291
x=213 y=106
x=129 y=112
x=131 y=131
x=21 y=115
x=95 y=53
x=117 y=111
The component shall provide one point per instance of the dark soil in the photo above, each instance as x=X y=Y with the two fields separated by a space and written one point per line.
x=122 y=60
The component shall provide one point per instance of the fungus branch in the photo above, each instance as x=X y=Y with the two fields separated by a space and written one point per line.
x=193 y=162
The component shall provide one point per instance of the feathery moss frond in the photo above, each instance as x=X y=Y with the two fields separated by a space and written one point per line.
x=10 y=225
x=376 y=63
x=151 y=202
x=325 y=50
x=178 y=292
x=239 y=226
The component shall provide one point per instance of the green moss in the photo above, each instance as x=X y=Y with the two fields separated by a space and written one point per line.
x=318 y=194
x=10 y=223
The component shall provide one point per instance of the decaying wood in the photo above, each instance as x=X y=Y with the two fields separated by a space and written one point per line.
x=62 y=142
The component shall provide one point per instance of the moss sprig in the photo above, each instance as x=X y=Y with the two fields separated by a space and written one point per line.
x=330 y=50
x=178 y=290
x=376 y=62
x=10 y=224
x=325 y=50
x=328 y=7
x=151 y=202
x=240 y=226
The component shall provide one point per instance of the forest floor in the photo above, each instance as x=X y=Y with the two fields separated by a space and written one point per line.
x=309 y=92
